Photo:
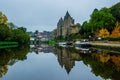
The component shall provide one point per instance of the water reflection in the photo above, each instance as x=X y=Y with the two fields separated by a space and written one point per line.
x=45 y=48
x=106 y=65
x=102 y=63
x=67 y=57
x=10 y=56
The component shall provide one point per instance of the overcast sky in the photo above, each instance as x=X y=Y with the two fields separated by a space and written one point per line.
x=44 y=14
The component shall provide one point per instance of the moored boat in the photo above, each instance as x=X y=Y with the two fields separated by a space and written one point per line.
x=82 y=43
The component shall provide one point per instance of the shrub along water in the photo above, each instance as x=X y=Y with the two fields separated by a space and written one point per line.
x=10 y=34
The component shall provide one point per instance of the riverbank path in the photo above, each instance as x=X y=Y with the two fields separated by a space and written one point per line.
x=111 y=44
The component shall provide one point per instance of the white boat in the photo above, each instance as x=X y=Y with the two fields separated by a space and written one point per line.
x=82 y=43
x=62 y=43
x=32 y=46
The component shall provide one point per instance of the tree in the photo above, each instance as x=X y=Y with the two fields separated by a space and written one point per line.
x=23 y=29
x=12 y=25
x=10 y=32
x=115 y=10
x=5 y=33
x=103 y=33
x=102 y=19
x=96 y=33
x=116 y=31
x=3 y=19
x=21 y=36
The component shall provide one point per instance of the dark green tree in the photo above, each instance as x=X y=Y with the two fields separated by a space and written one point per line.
x=102 y=19
x=5 y=33
x=21 y=36
x=115 y=10
x=23 y=29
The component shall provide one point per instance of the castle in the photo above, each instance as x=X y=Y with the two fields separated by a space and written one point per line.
x=66 y=26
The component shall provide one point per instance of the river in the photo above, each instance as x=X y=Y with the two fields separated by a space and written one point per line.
x=58 y=63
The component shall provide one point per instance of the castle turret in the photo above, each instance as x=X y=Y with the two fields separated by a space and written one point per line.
x=59 y=27
x=63 y=26
x=67 y=15
x=68 y=21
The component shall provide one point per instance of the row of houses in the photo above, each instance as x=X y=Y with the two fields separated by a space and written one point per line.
x=38 y=37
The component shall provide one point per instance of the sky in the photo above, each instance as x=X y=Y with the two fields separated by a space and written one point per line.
x=43 y=15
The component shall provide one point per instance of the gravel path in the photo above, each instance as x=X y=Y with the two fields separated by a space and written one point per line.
x=105 y=44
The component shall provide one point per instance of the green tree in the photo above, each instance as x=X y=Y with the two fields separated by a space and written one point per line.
x=102 y=19
x=115 y=10
x=10 y=32
x=21 y=36
x=12 y=25
x=86 y=30
x=5 y=33
x=23 y=29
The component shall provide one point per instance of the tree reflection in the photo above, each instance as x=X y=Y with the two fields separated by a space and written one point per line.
x=10 y=56
x=103 y=64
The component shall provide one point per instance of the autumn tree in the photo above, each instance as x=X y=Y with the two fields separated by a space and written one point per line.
x=99 y=19
x=3 y=19
x=116 y=31
x=5 y=32
x=103 y=33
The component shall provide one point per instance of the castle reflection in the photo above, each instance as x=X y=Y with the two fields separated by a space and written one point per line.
x=103 y=63
x=67 y=57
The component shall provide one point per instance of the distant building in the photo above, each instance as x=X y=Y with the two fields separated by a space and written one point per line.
x=40 y=34
x=66 y=26
x=37 y=37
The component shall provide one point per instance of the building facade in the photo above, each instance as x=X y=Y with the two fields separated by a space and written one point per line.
x=65 y=26
x=59 y=27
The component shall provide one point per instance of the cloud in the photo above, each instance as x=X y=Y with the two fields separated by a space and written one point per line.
x=44 y=14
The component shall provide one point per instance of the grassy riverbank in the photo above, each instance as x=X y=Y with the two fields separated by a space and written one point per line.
x=9 y=44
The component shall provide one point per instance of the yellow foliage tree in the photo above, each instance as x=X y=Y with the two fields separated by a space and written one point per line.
x=103 y=33
x=116 y=60
x=3 y=18
x=116 y=31
x=104 y=57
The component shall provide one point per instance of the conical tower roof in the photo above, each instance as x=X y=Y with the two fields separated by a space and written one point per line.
x=60 y=22
x=67 y=15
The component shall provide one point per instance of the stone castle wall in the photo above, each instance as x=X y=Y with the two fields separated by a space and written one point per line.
x=64 y=26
